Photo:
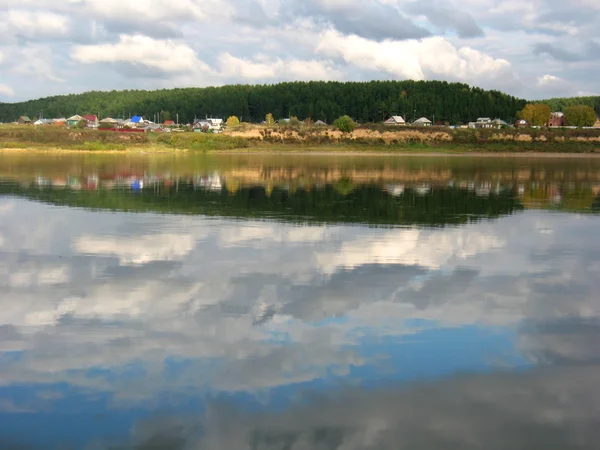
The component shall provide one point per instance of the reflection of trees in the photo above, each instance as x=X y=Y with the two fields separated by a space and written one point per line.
x=362 y=204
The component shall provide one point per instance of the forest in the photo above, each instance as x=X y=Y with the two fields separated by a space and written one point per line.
x=560 y=104
x=365 y=102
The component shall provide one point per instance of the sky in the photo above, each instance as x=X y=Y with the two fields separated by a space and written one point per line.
x=534 y=49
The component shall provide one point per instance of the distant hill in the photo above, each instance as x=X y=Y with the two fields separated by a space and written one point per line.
x=559 y=104
x=371 y=101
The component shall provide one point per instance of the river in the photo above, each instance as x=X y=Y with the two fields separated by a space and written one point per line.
x=298 y=302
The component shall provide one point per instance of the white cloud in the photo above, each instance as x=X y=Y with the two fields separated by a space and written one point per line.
x=428 y=58
x=142 y=51
x=34 y=24
x=6 y=90
x=293 y=70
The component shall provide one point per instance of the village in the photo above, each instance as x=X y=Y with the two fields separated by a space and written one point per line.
x=217 y=125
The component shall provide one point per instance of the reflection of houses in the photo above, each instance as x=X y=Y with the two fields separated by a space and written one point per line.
x=210 y=183
x=422 y=122
x=395 y=120
x=395 y=189
x=557 y=119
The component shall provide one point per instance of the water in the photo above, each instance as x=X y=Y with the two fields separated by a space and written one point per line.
x=299 y=302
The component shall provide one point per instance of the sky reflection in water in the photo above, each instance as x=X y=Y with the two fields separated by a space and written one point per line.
x=145 y=330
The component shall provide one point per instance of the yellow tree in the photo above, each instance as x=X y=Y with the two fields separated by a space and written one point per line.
x=269 y=119
x=536 y=114
x=233 y=121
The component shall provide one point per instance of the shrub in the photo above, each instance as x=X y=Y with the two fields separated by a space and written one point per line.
x=345 y=124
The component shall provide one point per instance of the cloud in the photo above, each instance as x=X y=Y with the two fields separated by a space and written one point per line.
x=268 y=69
x=6 y=90
x=369 y=19
x=446 y=17
x=430 y=58
x=34 y=25
x=156 y=55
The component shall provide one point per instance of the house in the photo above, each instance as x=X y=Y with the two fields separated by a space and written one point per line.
x=74 y=120
x=61 y=121
x=395 y=120
x=499 y=123
x=154 y=128
x=521 y=123
x=214 y=125
x=320 y=123
x=484 y=122
x=422 y=122
x=24 y=120
x=169 y=123
x=557 y=119
x=91 y=119
x=43 y=122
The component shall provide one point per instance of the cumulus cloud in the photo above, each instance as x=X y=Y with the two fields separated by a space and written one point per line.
x=183 y=44
x=34 y=24
x=267 y=69
x=150 y=54
x=429 y=58
x=6 y=90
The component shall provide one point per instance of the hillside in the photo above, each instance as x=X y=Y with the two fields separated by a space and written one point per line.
x=371 y=101
x=560 y=104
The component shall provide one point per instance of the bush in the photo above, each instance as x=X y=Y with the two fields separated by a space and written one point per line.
x=345 y=124
x=233 y=121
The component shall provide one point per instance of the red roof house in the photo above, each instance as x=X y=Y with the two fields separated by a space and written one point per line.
x=91 y=118
x=169 y=123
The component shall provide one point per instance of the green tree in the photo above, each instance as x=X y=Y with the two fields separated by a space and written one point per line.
x=580 y=116
x=345 y=124
x=164 y=116
x=536 y=114
x=269 y=119
x=233 y=121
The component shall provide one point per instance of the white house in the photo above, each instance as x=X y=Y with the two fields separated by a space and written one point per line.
x=422 y=122
x=395 y=120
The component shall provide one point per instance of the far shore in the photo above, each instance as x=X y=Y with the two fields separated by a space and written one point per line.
x=312 y=151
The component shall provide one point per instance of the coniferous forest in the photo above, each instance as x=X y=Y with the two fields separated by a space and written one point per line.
x=365 y=102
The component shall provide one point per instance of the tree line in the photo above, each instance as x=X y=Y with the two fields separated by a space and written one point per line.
x=364 y=102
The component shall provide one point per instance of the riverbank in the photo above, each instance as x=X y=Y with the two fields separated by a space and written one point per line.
x=435 y=141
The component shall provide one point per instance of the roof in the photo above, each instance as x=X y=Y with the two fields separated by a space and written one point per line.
x=25 y=118
x=320 y=122
x=422 y=120
x=169 y=122
x=484 y=119
x=558 y=114
x=137 y=119
x=75 y=117
x=90 y=118
x=109 y=120
x=395 y=119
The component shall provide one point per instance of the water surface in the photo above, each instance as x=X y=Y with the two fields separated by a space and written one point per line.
x=298 y=302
